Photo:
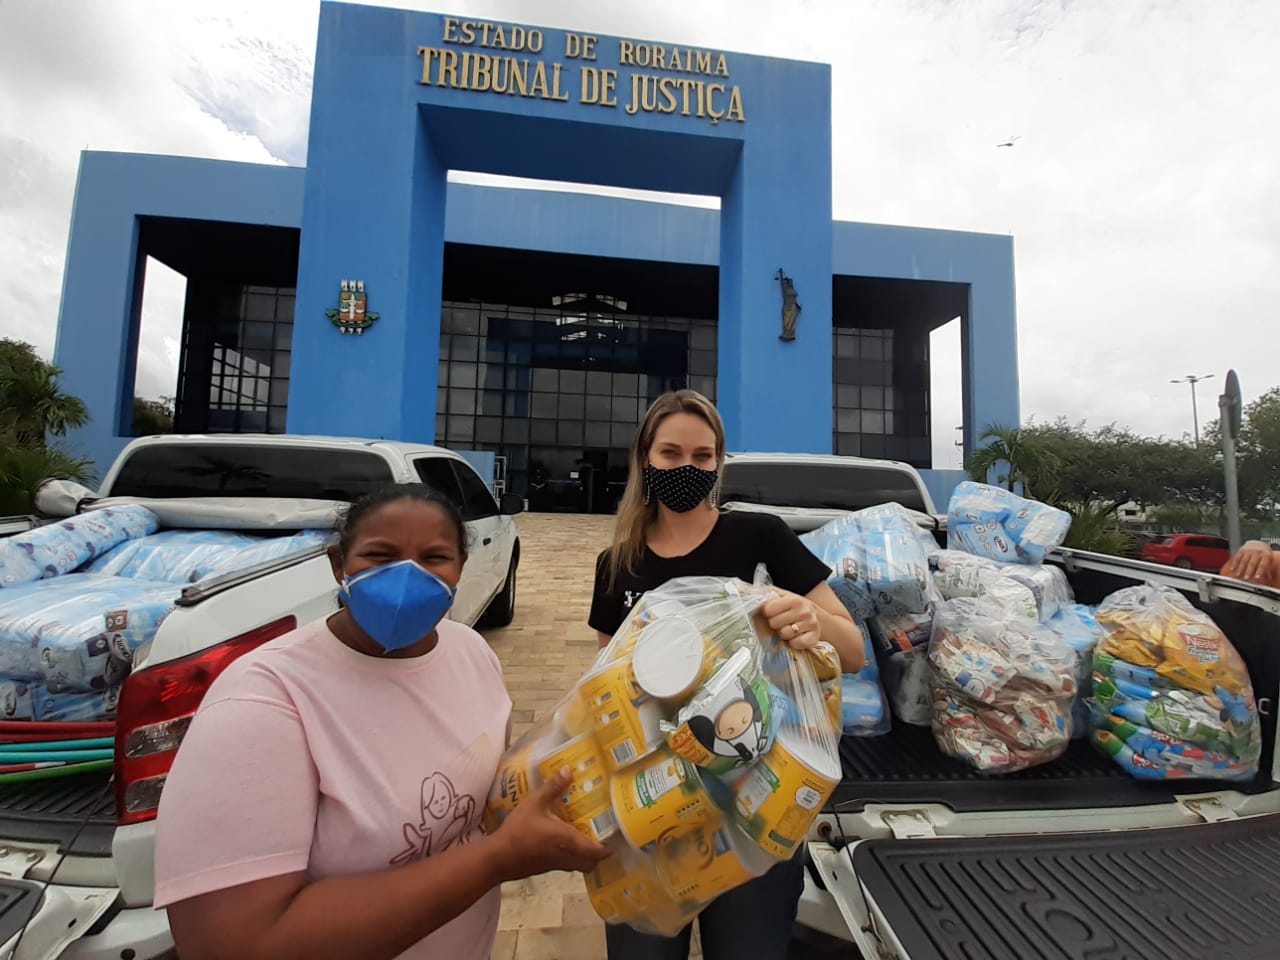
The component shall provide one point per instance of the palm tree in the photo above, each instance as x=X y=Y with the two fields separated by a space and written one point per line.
x=32 y=405
x=1022 y=461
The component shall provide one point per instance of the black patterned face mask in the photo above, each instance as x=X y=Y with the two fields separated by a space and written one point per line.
x=679 y=489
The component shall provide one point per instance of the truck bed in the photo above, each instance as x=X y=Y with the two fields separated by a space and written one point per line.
x=1184 y=893
x=76 y=813
x=906 y=766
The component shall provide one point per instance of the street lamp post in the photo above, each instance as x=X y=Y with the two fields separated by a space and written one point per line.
x=1195 y=412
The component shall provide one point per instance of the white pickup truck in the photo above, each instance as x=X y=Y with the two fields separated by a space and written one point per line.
x=76 y=854
x=919 y=857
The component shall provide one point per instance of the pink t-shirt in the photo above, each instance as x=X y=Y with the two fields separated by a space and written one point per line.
x=306 y=755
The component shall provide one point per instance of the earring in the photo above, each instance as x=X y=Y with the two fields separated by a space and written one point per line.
x=646 y=494
x=714 y=498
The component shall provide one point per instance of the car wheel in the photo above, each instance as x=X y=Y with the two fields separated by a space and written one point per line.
x=502 y=608
x=1184 y=563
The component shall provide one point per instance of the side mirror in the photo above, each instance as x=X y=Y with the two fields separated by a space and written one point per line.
x=511 y=505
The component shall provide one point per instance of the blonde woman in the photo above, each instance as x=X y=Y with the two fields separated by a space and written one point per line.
x=668 y=526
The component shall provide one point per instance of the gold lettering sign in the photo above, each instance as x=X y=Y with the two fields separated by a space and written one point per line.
x=485 y=57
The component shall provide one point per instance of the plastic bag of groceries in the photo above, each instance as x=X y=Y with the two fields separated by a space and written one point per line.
x=1078 y=626
x=879 y=560
x=1172 y=697
x=188 y=556
x=702 y=750
x=1003 y=687
x=992 y=522
x=1034 y=592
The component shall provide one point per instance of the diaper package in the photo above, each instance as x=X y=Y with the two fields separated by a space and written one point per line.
x=1002 y=687
x=1078 y=626
x=864 y=710
x=702 y=750
x=59 y=548
x=1171 y=697
x=991 y=522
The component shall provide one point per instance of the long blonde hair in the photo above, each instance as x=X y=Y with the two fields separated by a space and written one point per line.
x=635 y=516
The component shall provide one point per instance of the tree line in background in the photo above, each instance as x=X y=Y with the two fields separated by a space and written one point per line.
x=34 y=408
x=1092 y=473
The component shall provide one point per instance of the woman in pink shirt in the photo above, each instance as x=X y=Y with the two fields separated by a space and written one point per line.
x=326 y=800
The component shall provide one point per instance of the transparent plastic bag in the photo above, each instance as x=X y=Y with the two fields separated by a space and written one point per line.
x=702 y=750
x=879 y=560
x=1003 y=687
x=1034 y=592
x=991 y=522
x=188 y=556
x=864 y=709
x=1078 y=626
x=1172 y=697
x=59 y=548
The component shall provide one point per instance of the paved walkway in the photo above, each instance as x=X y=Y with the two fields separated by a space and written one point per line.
x=543 y=653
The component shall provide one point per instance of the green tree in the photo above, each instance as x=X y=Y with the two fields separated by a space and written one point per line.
x=1258 y=454
x=32 y=404
x=23 y=468
x=1016 y=459
x=151 y=417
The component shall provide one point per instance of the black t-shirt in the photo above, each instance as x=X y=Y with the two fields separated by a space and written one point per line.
x=736 y=545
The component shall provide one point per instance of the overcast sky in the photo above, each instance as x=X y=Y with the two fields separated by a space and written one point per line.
x=1143 y=192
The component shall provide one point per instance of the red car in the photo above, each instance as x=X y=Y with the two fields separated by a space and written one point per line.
x=1192 y=551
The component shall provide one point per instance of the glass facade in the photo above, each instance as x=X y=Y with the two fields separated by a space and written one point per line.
x=880 y=394
x=560 y=392
x=234 y=376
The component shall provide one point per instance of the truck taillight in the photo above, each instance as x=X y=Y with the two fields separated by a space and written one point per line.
x=156 y=707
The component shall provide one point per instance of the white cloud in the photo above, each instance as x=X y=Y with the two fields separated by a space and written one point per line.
x=1143 y=195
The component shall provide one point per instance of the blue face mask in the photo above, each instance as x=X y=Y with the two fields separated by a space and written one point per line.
x=397 y=604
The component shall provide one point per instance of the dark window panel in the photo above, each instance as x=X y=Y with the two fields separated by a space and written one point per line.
x=461 y=429
x=597 y=434
x=542 y=431
x=462 y=401
x=571 y=407
x=488 y=429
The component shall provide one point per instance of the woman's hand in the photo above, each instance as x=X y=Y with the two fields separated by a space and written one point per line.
x=795 y=619
x=533 y=839
x=1253 y=563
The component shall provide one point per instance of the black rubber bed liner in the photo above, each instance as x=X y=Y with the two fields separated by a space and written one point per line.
x=1205 y=892
x=906 y=766
x=55 y=811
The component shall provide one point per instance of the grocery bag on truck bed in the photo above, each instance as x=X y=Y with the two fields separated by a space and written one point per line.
x=59 y=548
x=1078 y=626
x=991 y=522
x=1172 y=697
x=1003 y=687
x=702 y=750
x=864 y=710
x=879 y=560
x=1035 y=592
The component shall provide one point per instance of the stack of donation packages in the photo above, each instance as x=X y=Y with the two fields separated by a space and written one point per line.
x=702 y=749
x=81 y=599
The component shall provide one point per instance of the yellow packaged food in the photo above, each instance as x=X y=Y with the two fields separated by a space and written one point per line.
x=516 y=779
x=660 y=795
x=780 y=797
x=626 y=889
x=698 y=865
x=585 y=803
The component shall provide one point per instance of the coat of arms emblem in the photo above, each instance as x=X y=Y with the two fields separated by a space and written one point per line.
x=352 y=315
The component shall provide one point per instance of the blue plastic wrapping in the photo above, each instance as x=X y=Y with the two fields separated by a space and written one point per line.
x=991 y=522
x=78 y=633
x=879 y=560
x=864 y=710
x=1078 y=626
x=59 y=548
x=187 y=556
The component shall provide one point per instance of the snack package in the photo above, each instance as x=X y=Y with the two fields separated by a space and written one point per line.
x=895 y=632
x=879 y=560
x=1169 y=687
x=1078 y=626
x=1034 y=592
x=187 y=556
x=991 y=522
x=702 y=750
x=1003 y=687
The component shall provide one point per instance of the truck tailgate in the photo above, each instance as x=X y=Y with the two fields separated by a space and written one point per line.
x=1183 y=893
x=76 y=813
